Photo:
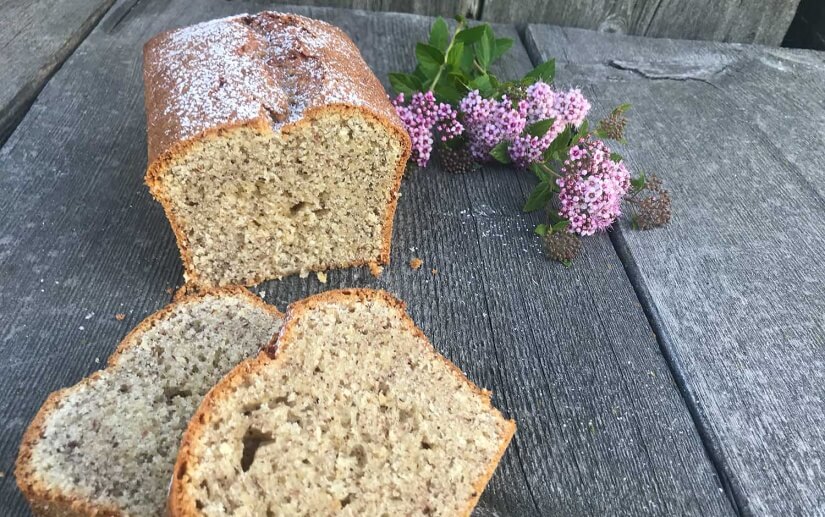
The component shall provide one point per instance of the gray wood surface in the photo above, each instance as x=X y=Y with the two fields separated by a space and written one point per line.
x=445 y=8
x=35 y=38
x=744 y=21
x=603 y=429
x=734 y=286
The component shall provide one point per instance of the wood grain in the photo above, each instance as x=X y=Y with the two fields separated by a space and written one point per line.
x=569 y=353
x=35 y=38
x=734 y=284
x=445 y=8
x=744 y=21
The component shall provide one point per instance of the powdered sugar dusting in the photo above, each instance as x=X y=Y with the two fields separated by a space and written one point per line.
x=242 y=69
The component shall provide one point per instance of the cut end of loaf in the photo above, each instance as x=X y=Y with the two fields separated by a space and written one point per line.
x=250 y=205
x=273 y=148
x=356 y=414
x=108 y=444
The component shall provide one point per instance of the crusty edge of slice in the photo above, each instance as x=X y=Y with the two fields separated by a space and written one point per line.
x=48 y=502
x=181 y=505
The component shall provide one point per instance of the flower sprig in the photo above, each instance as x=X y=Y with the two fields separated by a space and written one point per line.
x=453 y=101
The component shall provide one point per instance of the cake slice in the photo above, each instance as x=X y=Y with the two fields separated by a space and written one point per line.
x=273 y=148
x=354 y=414
x=107 y=445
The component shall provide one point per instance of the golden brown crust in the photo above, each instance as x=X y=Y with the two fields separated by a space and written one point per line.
x=180 y=505
x=266 y=72
x=44 y=500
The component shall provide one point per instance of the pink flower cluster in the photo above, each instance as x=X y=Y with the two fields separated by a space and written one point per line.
x=592 y=187
x=489 y=122
x=423 y=115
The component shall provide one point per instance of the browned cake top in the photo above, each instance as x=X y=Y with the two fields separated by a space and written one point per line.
x=244 y=69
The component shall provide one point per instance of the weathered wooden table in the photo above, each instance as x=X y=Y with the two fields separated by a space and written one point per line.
x=672 y=372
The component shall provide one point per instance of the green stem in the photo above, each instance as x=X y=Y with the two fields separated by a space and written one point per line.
x=443 y=66
x=548 y=170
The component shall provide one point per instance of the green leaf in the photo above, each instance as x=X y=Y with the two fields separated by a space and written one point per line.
x=440 y=34
x=472 y=34
x=581 y=132
x=545 y=72
x=446 y=91
x=405 y=83
x=567 y=263
x=422 y=77
x=638 y=183
x=467 y=59
x=430 y=58
x=559 y=146
x=539 y=197
x=499 y=152
x=621 y=108
x=541 y=230
x=561 y=225
x=540 y=173
x=454 y=55
x=483 y=85
x=502 y=46
x=486 y=46
x=540 y=128
x=616 y=157
x=601 y=133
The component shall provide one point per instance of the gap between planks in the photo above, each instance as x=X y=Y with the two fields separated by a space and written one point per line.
x=643 y=298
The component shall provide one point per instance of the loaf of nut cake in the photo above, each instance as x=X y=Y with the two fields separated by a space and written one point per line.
x=273 y=148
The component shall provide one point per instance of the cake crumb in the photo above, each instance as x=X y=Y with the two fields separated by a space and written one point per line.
x=2 y=474
x=416 y=263
x=434 y=271
x=375 y=269
x=170 y=291
x=304 y=273
x=262 y=294
x=322 y=277
x=120 y=316
x=97 y=360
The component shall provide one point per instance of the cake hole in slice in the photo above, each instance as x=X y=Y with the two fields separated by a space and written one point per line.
x=253 y=440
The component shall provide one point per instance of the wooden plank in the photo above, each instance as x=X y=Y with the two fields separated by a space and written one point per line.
x=445 y=8
x=745 y=21
x=734 y=284
x=35 y=38
x=568 y=352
